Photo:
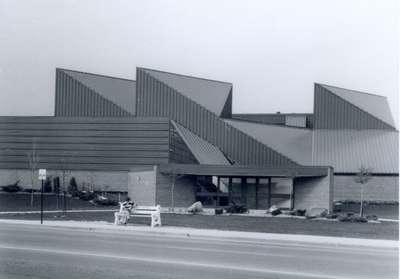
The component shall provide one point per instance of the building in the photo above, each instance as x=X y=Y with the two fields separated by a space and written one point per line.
x=174 y=140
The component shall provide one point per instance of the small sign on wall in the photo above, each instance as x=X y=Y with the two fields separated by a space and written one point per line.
x=42 y=174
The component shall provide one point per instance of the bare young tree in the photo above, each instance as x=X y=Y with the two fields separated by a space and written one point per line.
x=33 y=160
x=362 y=177
x=65 y=172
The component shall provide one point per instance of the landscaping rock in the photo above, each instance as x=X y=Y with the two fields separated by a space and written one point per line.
x=197 y=207
x=372 y=218
x=316 y=213
x=332 y=216
x=274 y=211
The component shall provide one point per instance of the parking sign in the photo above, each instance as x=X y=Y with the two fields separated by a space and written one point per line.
x=42 y=174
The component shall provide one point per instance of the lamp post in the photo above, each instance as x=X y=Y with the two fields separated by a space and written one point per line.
x=42 y=176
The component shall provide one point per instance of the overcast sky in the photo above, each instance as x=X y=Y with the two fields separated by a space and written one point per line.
x=272 y=51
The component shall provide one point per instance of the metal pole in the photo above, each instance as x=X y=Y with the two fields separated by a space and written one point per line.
x=41 y=205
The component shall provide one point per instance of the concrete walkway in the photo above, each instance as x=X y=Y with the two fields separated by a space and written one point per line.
x=207 y=233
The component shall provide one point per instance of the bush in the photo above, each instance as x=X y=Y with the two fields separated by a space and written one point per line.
x=298 y=212
x=47 y=185
x=86 y=196
x=103 y=201
x=372 y=217
x=316 y=213
x=29 y=190
x=73 y=187
x=332 y=216
x=56 y=185
x=352 y=219
x=12 y=188
x=237 y=208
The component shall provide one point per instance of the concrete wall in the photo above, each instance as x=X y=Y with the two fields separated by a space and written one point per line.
x=101 y=181
x=379 y=188
x=184 y=191
x=314 y=192
x=142 y=187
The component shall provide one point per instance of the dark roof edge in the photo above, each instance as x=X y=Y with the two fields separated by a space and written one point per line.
x=93 y=74
x=271 y=114
x=188 y=76
x=267 y=124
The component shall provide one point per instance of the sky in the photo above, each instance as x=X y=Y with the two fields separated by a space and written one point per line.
x=272 y=51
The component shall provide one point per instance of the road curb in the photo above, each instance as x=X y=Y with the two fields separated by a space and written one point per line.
x=215 y=234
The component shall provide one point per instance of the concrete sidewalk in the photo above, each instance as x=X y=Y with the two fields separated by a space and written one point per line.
x=208 y=233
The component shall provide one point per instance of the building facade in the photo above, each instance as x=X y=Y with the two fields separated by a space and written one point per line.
x=172 y=139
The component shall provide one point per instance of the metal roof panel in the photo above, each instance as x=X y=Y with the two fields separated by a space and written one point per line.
x=375 y=105
x=347 y=150
x=210 y=94
x=202 y=150
x=121 y=92
x=294 y=143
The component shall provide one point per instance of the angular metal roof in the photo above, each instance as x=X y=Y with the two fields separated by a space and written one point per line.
x=213 y=95
x=121 y=92
x=347 y=150
x=375 y=105
x=294 y=143
x=202 y=150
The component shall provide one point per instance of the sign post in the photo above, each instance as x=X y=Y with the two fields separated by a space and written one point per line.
x=42 y=176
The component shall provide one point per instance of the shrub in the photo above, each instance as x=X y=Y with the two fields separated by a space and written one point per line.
x=372 y=217
x=298 y=212
x=86 y=196
x=73 y=187
x=332 y=216
x=56 y=185
x=237 y=208
x=12 y=188
x=103 y=201
x=352 y=218
x=47 y=185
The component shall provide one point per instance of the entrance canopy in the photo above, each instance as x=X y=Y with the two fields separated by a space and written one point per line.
x=242 y=171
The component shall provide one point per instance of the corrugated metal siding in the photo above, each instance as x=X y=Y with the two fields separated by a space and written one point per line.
x=333 y=112
x=74 y=98
x=370 y=103
x=294 y=143
x=84 y=143
x=296 y=121
x=210 y=94
x=179 y=152
x=157 y=99
x=347 y=150
x=274 y=118
x=205 y=152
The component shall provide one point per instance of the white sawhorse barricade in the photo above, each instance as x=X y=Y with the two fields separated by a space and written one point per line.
x=122 y=216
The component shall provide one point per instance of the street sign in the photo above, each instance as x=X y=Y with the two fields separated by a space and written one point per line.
x=42 y=174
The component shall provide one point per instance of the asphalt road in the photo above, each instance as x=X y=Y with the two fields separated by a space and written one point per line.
x=44 y=252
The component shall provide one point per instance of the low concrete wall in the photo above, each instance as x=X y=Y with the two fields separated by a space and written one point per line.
x=379 y=188
x=142 y=187
x=314 y=192
x=101 y=180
